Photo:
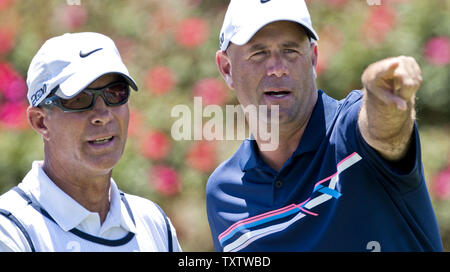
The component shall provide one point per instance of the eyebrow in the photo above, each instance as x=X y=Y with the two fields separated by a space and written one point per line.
x=257 y=47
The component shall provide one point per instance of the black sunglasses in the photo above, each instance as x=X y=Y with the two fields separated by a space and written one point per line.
x=114 y=94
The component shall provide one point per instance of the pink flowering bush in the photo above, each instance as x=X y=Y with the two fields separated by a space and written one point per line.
x=12 y=84
x=441 y=184
x=155 y=145
x=13 y=116
x=169 y=48
x=165 y=180
x=437 y=51
x=160 y=80
x=212 y=90
x=192 y=32
x=202 y=156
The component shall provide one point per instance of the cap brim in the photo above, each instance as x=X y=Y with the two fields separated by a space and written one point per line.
x=81 y=80
x=245 y=35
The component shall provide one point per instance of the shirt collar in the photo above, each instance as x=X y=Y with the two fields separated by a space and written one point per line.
x=118 y=211
x=250 y=157
x=321 y=119
x=45 y=191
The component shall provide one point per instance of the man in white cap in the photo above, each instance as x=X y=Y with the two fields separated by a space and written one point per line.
x=78 y=89
x=346 y=175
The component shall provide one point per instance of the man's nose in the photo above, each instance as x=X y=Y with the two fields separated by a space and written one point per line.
x=101 y=112
x=276 y=65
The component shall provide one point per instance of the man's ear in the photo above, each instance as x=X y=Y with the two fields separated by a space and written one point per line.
x=37 y=119
x=314 y=57
x=224 y=64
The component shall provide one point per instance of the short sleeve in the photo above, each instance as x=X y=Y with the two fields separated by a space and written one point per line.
x=404 y=179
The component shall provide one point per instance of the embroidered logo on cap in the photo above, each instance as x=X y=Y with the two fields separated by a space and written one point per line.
x=37 y=95
x=84 y=55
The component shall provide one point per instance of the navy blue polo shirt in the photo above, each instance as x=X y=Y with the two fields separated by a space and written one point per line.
x=335 y=193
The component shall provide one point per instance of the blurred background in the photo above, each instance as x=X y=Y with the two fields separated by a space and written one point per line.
x=169 y=47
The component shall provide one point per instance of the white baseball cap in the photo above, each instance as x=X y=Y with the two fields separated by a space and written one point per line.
x=245 y=17
x=70 y=63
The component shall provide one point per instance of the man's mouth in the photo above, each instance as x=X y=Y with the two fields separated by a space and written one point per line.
x=103 y=140
x=279 y=94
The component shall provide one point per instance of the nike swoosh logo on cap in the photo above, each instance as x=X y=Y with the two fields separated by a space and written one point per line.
x=264 y=1
x=83 y=55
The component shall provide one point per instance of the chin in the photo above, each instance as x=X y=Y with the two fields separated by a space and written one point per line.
x=104 y=163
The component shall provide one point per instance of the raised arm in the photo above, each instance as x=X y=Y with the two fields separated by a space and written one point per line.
x=386 y=119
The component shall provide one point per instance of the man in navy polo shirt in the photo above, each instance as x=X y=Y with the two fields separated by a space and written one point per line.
x=346 y=175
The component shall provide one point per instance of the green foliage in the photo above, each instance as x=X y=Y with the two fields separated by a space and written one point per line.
x=155 y=33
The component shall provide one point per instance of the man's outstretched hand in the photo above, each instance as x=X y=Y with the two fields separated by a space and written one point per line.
x=387 y=115
x=394 y=81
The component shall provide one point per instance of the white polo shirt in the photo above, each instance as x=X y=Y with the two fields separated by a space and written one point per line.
x=145 y=229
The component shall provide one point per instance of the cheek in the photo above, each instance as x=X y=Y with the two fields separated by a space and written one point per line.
x=65 y=139
x=303 y=74
x=65 y=128
x=246 y=81
x=123 y=118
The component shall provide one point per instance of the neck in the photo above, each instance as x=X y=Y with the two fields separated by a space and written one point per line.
x=288 y=143
x=289 y=139
x=90 y=191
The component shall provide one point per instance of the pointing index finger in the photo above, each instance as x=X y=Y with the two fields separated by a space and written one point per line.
x=390 y=70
